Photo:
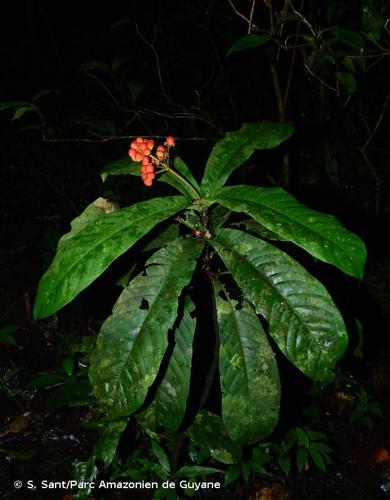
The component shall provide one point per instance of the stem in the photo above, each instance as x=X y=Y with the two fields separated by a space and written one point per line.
x=183 y=180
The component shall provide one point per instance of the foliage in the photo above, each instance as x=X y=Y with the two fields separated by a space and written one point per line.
x=363 y=406
x=143 y=358
x=308 y=447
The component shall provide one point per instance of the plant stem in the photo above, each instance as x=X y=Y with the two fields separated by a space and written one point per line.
x=183 y=180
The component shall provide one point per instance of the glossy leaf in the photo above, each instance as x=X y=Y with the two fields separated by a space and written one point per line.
x=88 y=253
x=249 y=42
x=319 y=234
x=122 y=166
x=133 y=340
x=209 y=431
x=303 y=319
x=248 y=372
x=169 y=404
x=236 y=147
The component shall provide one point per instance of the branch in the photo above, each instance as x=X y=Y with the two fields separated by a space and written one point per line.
x=251 y=17
x=379 y=121
x=157 y=57
x=238 y=13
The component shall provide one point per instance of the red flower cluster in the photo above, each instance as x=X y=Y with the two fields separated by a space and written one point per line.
x=141 y=150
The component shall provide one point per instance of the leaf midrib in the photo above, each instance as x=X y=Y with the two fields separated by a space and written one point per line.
x=151 y=308
x=260 y=206
x=273 y=287
x=76 y=262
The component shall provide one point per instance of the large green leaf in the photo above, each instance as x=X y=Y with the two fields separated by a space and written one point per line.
x=88 y=253
x=319 y=234
x=132 y=341
x=236 y=147
x=208 y=431
x=303 y=319
x=249 y=374
x=95 y=210
x=169 y=404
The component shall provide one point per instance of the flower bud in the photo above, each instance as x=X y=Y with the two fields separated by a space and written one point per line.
x=170 y=141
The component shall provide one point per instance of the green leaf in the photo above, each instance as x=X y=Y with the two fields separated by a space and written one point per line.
x=249 y=374
x=218 y=216
x=256 y=467
x=302 y=458
x=68 y=366
x=12 y=104
x=319 y=234
x=347 y=80
x=303 y=319
x=7 y=334
x=249 y=42
x=132 y=341
x=196 y=470
x=170 y=401
x=96 y=66
x=88 y=253
x=208 y=431
x=313 y=435
x=320 y=447
x=122 y=166
x=95 y=210
x=161 y=456
x=106 y=447
x=19 y=112
x=6 y=338
x=246 y=470
x=167 y=235
x=285 y=464
x=302 y=437
x=317 y=459
x=173 y=181
x=351 y=38
x=372 y=22
x=233 y=472
x=182 y=168
x=236 y=147
x=45 y=93
x=253 y=227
